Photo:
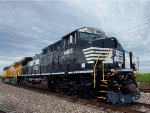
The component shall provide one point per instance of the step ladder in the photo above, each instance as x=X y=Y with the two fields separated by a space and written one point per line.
x=102 y=89
x=100 y=81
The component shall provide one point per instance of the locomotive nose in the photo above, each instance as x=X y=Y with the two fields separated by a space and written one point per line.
x=107 y=43
x=102 y=43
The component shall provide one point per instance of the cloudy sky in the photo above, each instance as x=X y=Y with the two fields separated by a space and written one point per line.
x=28 y=26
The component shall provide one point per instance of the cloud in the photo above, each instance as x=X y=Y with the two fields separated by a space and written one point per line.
x=28 y=27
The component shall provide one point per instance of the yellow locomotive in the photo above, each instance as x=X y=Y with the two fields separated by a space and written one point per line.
x=12 y=72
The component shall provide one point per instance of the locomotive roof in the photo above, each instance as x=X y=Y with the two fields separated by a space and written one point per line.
x=83 y=29
x=5 y=68
x=16 y=63
x=25 y=58
x=88 y=30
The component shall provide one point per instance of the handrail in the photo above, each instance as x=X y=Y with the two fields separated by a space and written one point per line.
x=114 y=72
x=95 y=69
x=102 y=67
x=103 y=63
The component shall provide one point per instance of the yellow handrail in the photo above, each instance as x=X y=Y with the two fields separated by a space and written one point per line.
x=114 y=72
x=104 y=64
x=102 y=67
x=95 y=69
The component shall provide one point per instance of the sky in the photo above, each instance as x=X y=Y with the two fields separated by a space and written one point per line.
x=26 y=27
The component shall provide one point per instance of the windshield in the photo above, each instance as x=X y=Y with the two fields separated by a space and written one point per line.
x=89 y=36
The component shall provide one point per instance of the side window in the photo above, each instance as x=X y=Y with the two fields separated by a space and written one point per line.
x=71 y=39
x=66 y=41
x=74 y=38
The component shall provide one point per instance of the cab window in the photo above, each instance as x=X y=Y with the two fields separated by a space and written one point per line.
x=89 y=36
x=70 y=39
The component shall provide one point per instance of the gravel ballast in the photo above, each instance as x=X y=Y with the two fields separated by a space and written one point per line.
x=145 y=98
x=20 y=100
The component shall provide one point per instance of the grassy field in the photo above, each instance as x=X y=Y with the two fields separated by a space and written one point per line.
x=144 y=78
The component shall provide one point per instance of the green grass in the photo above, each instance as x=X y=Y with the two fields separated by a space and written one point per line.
x=144 y=78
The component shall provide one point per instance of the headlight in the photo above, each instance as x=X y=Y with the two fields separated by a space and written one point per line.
x=119 y=64
x=134 y=67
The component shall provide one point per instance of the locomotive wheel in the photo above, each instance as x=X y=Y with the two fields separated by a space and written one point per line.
x=57 y=89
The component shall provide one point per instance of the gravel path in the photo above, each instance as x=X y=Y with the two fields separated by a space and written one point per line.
x=18 y=100
x=145 y=98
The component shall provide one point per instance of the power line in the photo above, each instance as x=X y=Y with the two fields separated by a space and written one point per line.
x=132 y=28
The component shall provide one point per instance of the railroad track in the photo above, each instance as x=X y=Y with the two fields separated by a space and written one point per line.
x=135 y=108
x=145 y=90
x=142 y=104
x=139 y=106
x=99 y=104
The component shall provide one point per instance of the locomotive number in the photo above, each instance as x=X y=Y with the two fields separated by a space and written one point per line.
x=69 y=51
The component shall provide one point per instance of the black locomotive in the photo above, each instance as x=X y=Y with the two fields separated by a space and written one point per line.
x=85 y=63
